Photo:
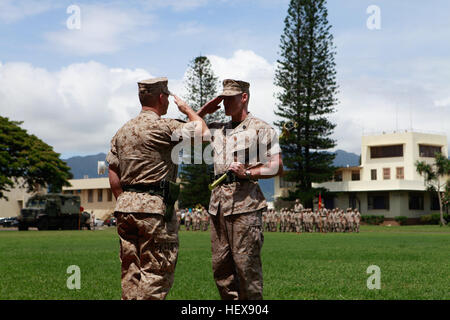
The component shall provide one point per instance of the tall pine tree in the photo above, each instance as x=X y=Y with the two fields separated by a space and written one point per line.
x=201 y=86
x=307 y=78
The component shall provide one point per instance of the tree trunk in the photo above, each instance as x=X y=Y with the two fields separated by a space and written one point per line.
x=441 y=210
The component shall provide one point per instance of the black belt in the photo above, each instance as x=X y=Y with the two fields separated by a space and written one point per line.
x=157 y=188
x=168 y=190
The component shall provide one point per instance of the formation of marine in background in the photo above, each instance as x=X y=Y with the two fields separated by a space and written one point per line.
x=297 y=220
x=195 y=220
x=307 y=220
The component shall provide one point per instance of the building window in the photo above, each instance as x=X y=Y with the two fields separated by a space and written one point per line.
x=373 y=174
x=353 y=201
x=386 y=151
x=355 y=176
x=100 y=195
x=109 y=192
x=434 y=203
x=378 y=201
x=90 y=195
x=415 y=201
x=428 y=151
x=386 y=173
x=400 y=173
x=338 y=176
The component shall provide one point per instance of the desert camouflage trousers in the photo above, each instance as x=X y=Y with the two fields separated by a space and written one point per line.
x=236 y=242
x=148 y=254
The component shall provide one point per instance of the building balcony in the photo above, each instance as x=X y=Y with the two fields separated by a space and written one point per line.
x=378 y=185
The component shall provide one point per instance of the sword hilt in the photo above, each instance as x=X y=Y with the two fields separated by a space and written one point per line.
x=217 y=182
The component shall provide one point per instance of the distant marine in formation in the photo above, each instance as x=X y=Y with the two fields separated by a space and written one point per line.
x=301 y=220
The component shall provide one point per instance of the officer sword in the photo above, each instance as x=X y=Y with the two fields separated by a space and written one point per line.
x=217 y=182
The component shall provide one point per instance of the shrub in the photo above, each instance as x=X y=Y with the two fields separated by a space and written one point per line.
x=425 y=219
x=401 y=219
x=434 y=218
x=372 y=219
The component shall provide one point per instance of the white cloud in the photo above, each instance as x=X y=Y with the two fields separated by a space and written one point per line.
x=246 y=65
x=371 y=105
x=442 y=103
x=188 y=29
x=77 y=109
x=177 y=5
x=104 y=29
x=15 y=10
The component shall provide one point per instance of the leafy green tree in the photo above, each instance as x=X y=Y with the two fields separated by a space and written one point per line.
x=306 y=77
x=201 y=85
x=434 y=175
x=28 y=161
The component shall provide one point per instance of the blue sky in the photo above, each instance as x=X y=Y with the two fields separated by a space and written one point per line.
x=75 y=88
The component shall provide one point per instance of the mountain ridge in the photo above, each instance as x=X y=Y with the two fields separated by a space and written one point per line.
x=86 y=166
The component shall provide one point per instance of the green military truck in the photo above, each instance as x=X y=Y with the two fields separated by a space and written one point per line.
x=53 y=211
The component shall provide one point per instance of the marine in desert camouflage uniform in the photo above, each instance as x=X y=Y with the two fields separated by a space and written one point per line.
x=307 y=218
x=197 y=220
x=265 y=219
x=316 y=221
x=236 y=205
x=283 y=220
x=179 y=219
x=298 y=210
x=293 y=224
x=188 y=220
x=139 y=160
x=350 y=220
x=332 y=220
x=357 y=219
x=323 y=220
x=205 y=219
x=343 y=221
x=298 y=221
x=273 y=221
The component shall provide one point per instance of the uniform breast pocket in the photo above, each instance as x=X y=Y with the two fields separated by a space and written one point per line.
x=247 y=155
x=246 y=147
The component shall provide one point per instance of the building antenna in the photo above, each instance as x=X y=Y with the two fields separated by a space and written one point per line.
x=410 y=114
x=396 y=116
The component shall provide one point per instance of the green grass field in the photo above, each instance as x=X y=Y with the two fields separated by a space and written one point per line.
x=414 y=262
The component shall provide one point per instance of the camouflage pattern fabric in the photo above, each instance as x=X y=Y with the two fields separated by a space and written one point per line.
x=141 y=150
x=148 y=254
x=246 y=196
x=236 y=242
x=145 y=161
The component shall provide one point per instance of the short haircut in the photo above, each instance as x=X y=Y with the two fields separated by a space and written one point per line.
x=148 y=99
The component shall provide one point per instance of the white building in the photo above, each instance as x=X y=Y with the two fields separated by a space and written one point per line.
x=95 y=195
x=386 y=183
x=17 y=199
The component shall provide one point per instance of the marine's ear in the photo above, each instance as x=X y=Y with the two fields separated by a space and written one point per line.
x=244 y=98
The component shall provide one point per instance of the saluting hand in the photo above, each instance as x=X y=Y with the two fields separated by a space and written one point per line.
x=182 y=105
x=212 y=105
